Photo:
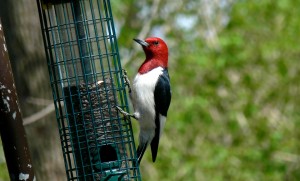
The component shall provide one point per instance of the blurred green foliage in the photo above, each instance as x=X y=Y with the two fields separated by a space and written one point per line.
x=235 y=108
x=3 y=169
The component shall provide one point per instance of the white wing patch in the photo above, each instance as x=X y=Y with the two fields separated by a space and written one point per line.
x=162 y=121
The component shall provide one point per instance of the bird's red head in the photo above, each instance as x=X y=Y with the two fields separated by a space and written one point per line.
x=156 y=51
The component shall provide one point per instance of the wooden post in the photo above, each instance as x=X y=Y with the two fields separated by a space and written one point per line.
x=11 y=125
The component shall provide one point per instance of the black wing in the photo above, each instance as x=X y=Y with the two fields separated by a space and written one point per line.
x=162 y=99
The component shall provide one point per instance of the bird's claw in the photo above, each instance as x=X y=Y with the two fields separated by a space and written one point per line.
x=126 y=79
x=126 y=114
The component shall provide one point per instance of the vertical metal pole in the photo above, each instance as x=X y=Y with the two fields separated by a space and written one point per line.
x=11 y=125
x=82 y=42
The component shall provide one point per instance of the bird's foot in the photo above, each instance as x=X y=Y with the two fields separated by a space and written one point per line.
x=126 y=80
x=126 y=114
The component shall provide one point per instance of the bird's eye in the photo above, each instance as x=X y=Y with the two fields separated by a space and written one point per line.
x=155 y=43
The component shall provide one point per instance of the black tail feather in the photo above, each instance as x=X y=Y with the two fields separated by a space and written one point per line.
x=154 y=146
x=155 y=140
x=140 y=151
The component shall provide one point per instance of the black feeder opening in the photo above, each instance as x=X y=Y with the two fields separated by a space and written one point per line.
x=87 y=85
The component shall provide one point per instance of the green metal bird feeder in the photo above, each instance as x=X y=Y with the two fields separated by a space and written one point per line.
x=87 y=85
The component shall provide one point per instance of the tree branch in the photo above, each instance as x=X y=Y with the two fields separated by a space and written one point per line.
x=39 y=115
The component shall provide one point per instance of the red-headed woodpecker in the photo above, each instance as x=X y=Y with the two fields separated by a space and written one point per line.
x=151 y=94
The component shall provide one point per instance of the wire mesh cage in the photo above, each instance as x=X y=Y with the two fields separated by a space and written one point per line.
x=86 y=80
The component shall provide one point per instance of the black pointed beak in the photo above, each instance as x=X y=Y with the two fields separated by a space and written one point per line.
x=141 y=42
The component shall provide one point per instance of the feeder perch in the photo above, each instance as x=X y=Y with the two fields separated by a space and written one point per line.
x=87 y=85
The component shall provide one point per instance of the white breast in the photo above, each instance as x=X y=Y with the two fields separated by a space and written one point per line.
x=143 y=97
